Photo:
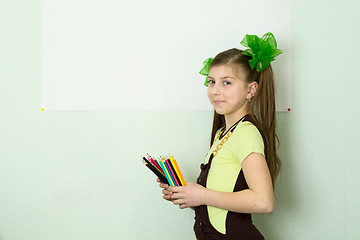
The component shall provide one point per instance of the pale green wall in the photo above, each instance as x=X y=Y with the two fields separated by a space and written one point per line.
x=77 y=175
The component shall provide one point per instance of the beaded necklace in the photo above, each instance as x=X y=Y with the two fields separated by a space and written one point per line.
x=223 y=141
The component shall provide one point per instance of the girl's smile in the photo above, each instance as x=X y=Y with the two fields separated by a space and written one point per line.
x=217 y=102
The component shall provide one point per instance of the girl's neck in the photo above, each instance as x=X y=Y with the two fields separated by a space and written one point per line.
x=230 y=120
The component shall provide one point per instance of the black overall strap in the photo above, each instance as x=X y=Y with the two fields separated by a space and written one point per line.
x=202 y=226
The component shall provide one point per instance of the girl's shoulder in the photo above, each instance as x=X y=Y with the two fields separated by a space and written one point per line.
x=247 y=132
x=246 y=140
x=246 y=126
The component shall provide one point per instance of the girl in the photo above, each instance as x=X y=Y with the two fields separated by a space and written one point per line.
x=241 y=166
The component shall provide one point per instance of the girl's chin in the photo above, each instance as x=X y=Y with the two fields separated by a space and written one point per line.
x=219 y=112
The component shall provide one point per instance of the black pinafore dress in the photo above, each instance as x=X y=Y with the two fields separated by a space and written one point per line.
x=238 y=225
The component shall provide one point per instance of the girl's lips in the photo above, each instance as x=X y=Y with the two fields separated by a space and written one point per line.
x=217 y=102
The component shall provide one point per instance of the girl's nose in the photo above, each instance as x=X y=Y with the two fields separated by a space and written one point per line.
x=216 y=89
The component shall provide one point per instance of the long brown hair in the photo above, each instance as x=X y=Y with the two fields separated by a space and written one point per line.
x=262 y=106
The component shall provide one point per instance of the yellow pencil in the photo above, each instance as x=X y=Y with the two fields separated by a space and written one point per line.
x=177 y=169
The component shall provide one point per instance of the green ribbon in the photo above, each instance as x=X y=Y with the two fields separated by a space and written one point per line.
x=205 y=70
x=262 y=50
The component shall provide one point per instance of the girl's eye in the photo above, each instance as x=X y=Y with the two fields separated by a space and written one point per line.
x=211 y=81
x=227 y=83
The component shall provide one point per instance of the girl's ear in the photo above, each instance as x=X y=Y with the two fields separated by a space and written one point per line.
x=252 y=89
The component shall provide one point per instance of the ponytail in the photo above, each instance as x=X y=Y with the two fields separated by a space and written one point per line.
x=262 y=107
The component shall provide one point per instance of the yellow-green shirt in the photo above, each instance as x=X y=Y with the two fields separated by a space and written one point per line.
x=226 y=165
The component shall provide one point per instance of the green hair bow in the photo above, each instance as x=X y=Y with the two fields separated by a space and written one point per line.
x=205 y=70
x=262 y=50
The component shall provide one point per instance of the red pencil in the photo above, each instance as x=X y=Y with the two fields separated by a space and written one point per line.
x=172 y=172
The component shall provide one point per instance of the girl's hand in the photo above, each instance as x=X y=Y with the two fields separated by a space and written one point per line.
x=165 y=191
x=191 y=195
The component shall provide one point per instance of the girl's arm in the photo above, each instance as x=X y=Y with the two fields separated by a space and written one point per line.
x=259 y=198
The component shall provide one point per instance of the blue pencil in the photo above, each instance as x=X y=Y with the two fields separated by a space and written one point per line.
x=162 y=165
x=168 y=168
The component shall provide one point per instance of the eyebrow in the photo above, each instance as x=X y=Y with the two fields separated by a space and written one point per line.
x=223 y=77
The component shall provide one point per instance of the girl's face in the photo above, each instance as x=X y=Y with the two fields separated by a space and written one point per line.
x=228 y=91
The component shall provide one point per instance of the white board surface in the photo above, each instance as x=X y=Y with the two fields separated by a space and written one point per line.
x=146 y=55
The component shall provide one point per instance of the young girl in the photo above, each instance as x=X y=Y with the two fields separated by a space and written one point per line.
x=241 y=166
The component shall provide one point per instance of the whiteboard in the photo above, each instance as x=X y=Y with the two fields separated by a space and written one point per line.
x=145 y=55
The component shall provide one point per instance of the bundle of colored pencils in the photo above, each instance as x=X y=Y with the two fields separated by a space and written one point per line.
x=166 y=168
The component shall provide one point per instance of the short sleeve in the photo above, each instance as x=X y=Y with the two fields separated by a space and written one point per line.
x=247 y=140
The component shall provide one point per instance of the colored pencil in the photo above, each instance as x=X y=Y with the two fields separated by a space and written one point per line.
x=166 y=173
x=148 y=162
x=172 y=160
x=166 y=169
x=178 y=170
x=170 y=172
x=156 y=172
x=177 y=180
x=161 y=177
x=154 y=163
x=157 y=163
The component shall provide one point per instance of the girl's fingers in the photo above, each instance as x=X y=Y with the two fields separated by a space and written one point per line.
x=177 y=202
x=174 y=189
x=175 y=195
x=163 y=185
x=166 y=192
x=182 y=206
x=166 y=197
